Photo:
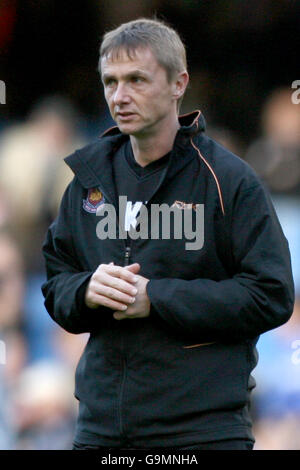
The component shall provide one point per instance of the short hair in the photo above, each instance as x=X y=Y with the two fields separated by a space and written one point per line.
x=163 y=40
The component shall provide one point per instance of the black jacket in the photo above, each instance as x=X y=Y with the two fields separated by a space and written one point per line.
x=181 y=375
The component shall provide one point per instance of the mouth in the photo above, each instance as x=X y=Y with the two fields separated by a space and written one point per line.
x=124 y=116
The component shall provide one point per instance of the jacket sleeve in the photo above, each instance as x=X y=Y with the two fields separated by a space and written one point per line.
x=64 y=289
x=258 y=297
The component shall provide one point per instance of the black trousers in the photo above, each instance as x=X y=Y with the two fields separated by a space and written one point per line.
x=228 y=444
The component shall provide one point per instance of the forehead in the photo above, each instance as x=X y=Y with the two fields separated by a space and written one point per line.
x=140 y=58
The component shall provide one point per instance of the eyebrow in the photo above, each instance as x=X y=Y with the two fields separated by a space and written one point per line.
x=107 y=76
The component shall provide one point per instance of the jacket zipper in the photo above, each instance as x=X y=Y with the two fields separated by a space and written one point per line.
x=127 y=255
x=123 y=358
x=121 y=423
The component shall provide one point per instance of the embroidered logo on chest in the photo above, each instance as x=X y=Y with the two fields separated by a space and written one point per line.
x=93 y=201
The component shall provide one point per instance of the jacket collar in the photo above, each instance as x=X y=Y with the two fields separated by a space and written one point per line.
x=92 y=164
x=190 y=124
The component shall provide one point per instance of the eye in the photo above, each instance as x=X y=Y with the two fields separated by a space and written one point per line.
x=137 y=79
x=109 y=82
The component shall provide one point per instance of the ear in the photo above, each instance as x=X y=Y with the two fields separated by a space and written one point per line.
x=180 y=84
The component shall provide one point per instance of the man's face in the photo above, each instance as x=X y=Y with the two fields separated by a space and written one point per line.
x=137 y=92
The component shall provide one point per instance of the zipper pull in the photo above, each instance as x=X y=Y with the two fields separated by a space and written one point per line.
x=127 y=255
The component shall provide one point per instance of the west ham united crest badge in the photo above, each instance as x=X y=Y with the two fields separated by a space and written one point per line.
x=93 y=201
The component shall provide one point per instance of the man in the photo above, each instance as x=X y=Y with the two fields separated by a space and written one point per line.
x=173 y=323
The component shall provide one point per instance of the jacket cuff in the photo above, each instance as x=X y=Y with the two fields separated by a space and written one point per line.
x=151 y=287
x=80 y=296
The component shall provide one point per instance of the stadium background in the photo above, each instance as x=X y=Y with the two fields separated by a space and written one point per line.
x=243 y=58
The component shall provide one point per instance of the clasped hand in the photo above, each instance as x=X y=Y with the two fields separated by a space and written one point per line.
x=119 y=288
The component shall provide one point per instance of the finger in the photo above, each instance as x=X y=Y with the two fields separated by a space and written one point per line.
x=107 y=302
x=105 y=280
x=134 y=268
x=122 y=316
x=119 y=271
x=114 y=294
x=119 y=316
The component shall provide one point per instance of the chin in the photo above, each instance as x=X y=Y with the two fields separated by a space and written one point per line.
x=129 y=129
x=125 y=130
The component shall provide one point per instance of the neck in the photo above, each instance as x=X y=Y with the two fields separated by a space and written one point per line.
x=151 y=147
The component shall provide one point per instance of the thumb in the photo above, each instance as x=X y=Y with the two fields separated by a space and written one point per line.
x=134 y=268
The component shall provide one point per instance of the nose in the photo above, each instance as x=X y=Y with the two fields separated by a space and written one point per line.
x=121 y=95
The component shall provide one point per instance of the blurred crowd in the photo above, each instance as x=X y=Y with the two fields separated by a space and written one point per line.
x=37 y=406
x=36 y=378
x=275 y=156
